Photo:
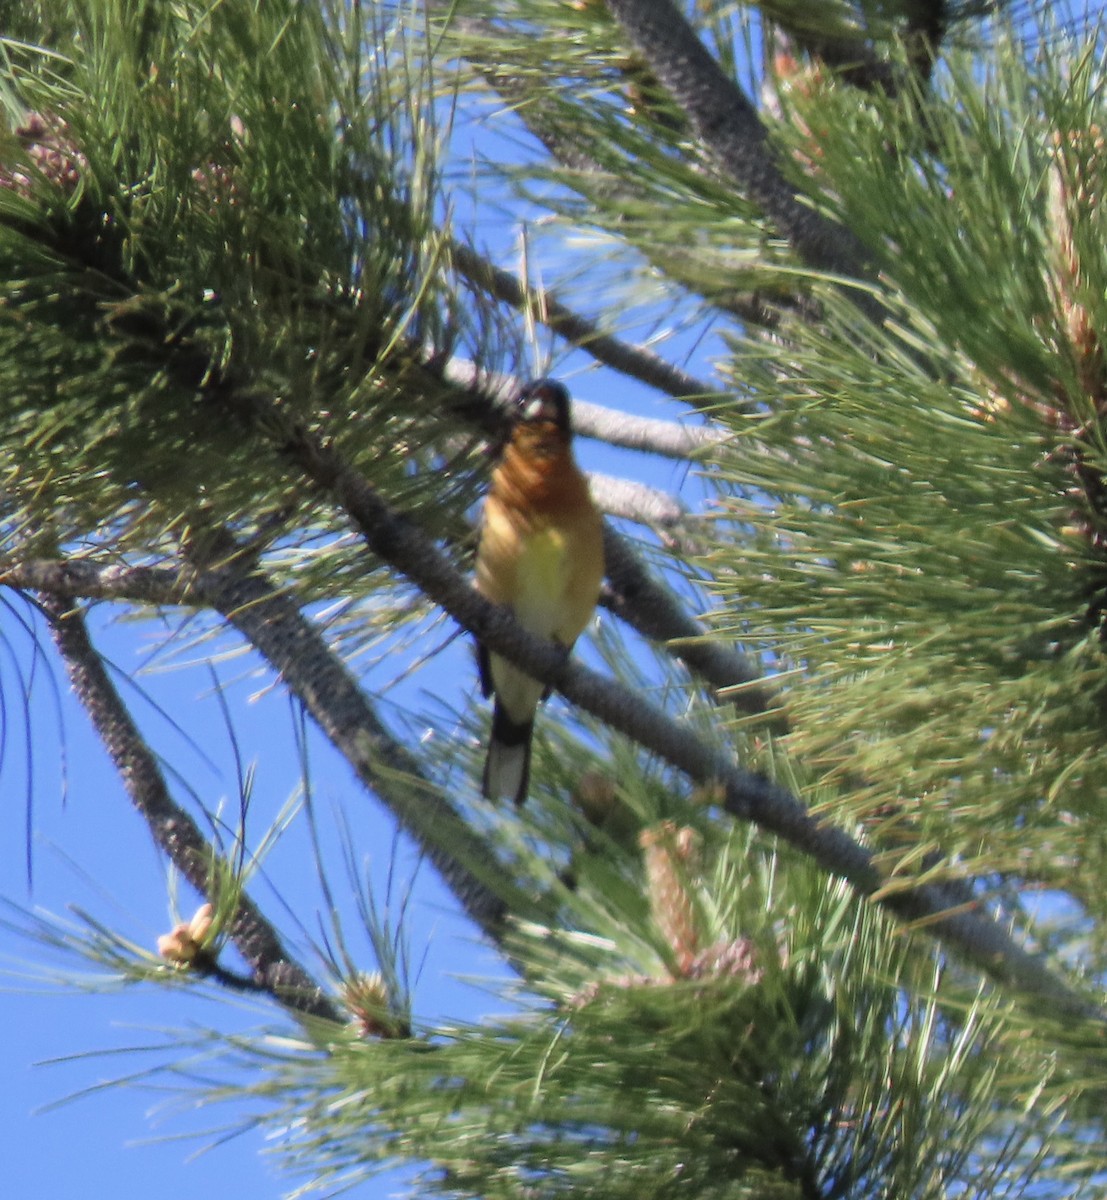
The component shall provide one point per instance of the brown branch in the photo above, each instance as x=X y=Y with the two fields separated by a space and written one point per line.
x=649 y=435
x=172 y=828
x=727 y=124
x=636 y=362
x=273 y=624
x=746 y=795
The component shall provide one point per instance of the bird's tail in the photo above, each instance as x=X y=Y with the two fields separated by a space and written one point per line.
x=507 y=767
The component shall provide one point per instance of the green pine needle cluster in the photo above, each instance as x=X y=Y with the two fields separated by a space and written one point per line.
x=793 y=1066
x=225 y=224
x=927 y=563
x=212 y=232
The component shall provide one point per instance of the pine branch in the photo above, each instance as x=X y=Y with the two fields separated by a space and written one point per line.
x=636 y=362
x=272 y=623
x=668 y=439
x=173 y=829
x=746 y=795
x=637 y=597
x=636 y=502
x=728 y=125
x=562 y=143
x=492 y=391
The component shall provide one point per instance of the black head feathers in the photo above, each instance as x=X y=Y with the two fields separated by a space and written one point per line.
x=545 y=401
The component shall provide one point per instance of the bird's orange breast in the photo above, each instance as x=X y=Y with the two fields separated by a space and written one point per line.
x=541 y=543
x=538 y=478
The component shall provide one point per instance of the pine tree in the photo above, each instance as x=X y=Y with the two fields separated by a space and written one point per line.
x=806 y=901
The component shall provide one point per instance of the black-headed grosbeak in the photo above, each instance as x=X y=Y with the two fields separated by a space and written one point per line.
x=541 y=553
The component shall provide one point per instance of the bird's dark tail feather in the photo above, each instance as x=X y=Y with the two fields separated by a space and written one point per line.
x=507 y=767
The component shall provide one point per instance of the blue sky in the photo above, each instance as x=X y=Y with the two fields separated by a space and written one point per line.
x=92 y=851
x=65 y=1131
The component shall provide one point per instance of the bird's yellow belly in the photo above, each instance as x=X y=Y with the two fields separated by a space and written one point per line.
x=541 y=577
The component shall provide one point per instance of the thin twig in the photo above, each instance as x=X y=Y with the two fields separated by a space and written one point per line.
x=636 y=362
x=173 y=829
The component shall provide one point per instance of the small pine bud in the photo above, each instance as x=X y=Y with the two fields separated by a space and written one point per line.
x=671 y=856
x=186 y=940
x=736 y=959
x=53 y=152
x=366 y=998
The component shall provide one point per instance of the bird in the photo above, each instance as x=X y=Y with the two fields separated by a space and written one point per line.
x=541 y=554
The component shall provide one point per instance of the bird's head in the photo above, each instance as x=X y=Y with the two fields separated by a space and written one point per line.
x=544 y=403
